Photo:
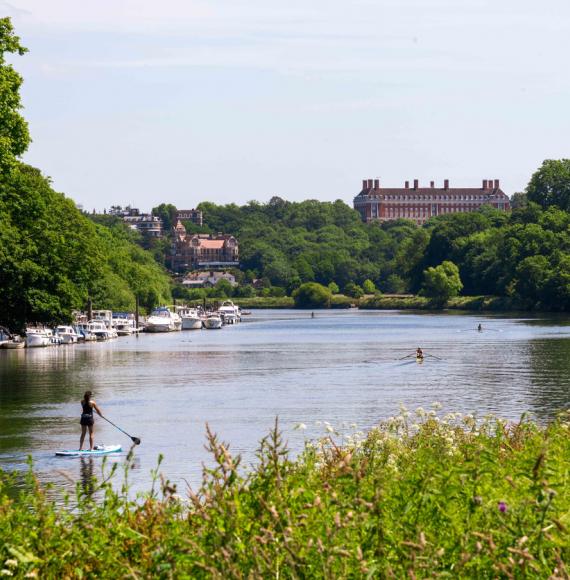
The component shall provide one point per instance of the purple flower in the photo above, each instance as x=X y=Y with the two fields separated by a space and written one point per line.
x=502 y=507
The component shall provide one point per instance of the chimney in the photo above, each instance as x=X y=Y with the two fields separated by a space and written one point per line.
x=364 y=184
x=446 y=184
x=496 y=184
x=370 y=184
x=415 y=183
x=490 y=182
x=484 y=184
x=376 y=184
x=432 y=184
x=407 y=185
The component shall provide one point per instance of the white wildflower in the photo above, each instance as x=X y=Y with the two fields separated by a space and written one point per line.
x=300 y=427
x=436 y=405
x=330 y=428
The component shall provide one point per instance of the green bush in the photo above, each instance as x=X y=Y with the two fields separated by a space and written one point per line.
x=419 y=496
x=312 y=295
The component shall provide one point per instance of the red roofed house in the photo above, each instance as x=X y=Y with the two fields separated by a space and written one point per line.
x=190 y=251
x=421 y=203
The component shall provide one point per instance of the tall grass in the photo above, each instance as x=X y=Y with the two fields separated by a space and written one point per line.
x=419 y=496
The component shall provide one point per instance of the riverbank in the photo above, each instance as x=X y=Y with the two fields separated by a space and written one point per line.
x=414 y=302
x=396 y=302
x=419 y=496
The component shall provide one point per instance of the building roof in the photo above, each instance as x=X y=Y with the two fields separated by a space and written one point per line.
x=371 y=188
x=212 y=244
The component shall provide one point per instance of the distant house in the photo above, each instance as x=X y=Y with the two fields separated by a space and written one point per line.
x=194 y=251
x=376 y=203
x=147 y=224
x=191 y=215
x=207 y=279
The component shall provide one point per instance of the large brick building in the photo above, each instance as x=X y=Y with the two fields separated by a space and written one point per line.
x=421 y=203
x=191 y=251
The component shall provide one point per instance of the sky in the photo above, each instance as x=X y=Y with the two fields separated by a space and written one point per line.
x=180 y=101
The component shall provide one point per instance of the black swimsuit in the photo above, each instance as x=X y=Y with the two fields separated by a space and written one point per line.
x=87 y=415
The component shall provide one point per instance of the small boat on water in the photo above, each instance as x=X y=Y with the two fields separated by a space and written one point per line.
x=213 y=321
x=99 y=329
x=229 y=312
x=163 y=320
x=5 y=335
x=67 y=334
x=124 y=324
x=190 y=317
x=420 y=359
x=15 y=343
x=37 y=336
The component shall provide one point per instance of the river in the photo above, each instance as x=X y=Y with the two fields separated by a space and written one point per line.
x=341 y=366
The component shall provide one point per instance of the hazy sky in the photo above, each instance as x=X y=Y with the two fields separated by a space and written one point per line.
x=141 y=101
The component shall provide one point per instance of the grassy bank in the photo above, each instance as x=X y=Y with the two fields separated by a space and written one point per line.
x=418 y=496
x=411 y=302
x=338 y=301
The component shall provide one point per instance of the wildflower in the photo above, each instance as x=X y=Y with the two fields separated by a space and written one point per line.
x=502 y=507
x=436 y=406
x=330 y=428
x=300 y=427
x=6 y=572
x=11 y=563
x=478 y=500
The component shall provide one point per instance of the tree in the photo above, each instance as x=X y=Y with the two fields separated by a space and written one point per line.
x=519 y=199
x=333 y=287
x=369 y=287
x=550 y=184
x=442 y=282
x=354 y=290
x=312 y=295
x=167 y=213
x=14 y=135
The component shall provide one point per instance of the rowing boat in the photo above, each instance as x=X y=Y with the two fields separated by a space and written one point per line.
x=419 y=359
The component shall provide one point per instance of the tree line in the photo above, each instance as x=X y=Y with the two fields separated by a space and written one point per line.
x=524 y=254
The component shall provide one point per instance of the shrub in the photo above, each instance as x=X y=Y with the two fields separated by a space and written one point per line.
x=312 y=295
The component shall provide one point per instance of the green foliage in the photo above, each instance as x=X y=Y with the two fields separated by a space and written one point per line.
x=312 y=295
x=354 y=290
x=419 y=496
x=333 y=287
x=368 y=286
x=14 y=135
x=550 y=185
x=442 y=282
x=52 y=257
x=167 y=213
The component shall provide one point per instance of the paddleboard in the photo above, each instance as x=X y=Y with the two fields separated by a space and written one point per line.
x=99 y=450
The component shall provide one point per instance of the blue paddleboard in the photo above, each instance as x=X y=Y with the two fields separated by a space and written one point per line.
x=99 y=450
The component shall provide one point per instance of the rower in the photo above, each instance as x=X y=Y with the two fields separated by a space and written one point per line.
x=419 y=353
x=480 y=327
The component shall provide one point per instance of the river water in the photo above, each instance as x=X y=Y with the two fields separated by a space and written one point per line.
x=341 y=366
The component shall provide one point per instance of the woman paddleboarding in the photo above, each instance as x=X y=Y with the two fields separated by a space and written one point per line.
x=87 y=421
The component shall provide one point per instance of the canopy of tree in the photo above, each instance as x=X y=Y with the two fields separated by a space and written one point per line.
x=524 y=254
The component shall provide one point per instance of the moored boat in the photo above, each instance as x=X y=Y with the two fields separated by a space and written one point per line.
x=229 y=312
x=213 y=321
x=190 y=317
x=15 y=343
x=162 y=319
x=67 y=334
x=38 y=337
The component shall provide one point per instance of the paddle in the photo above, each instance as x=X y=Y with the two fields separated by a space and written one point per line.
x=433 y=355
x=135 y=440
x=407 y=356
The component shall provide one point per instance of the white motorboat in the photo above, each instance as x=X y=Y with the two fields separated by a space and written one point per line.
x=229 y=312
x=163 y=320
x=213 y=321
x=38 y=337
x=83 y=332
x=99 y=329
x=191 y=319
x=123 y=324
x=15 y=343
x=67 y=334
